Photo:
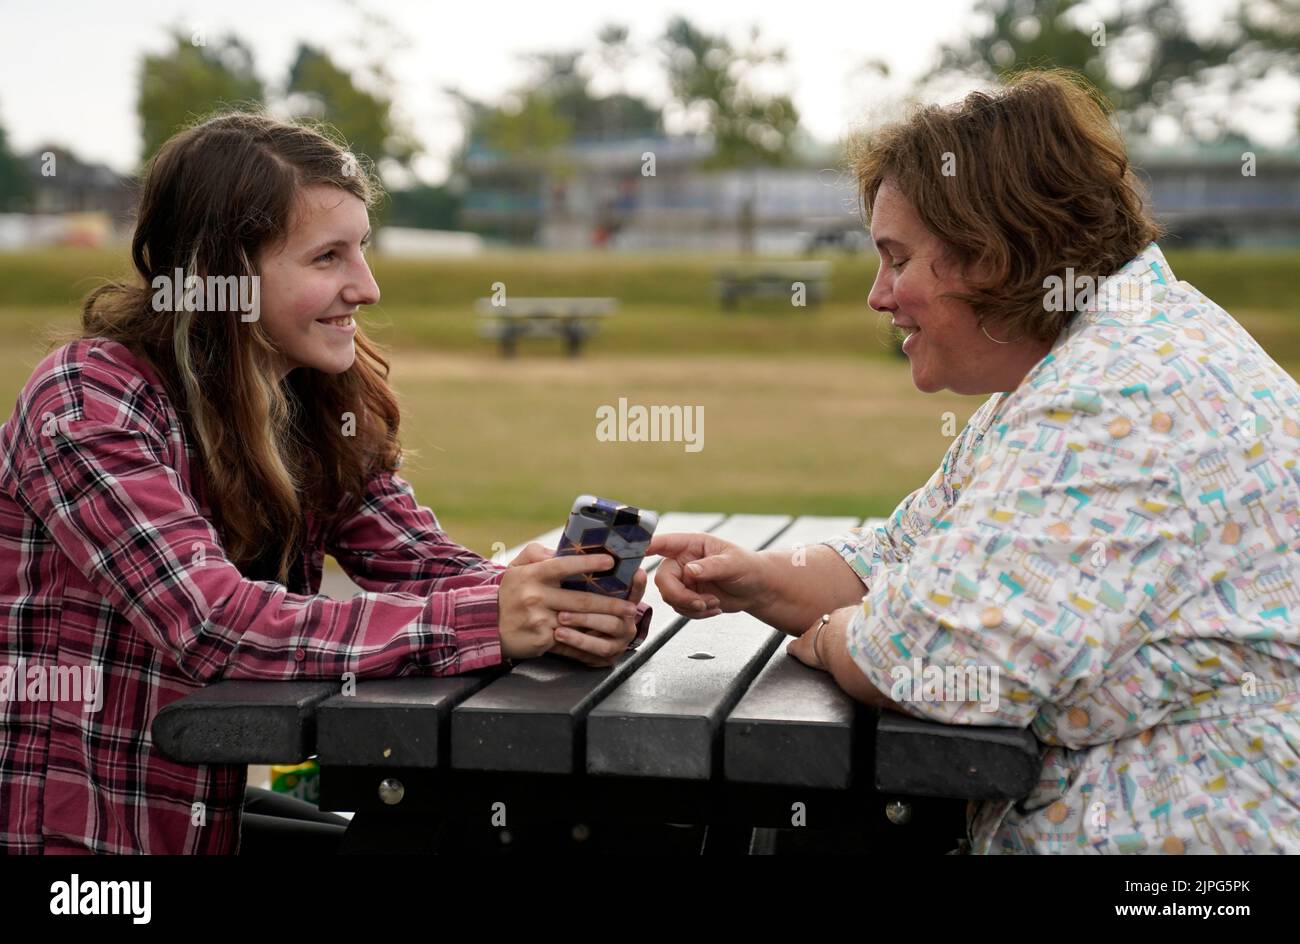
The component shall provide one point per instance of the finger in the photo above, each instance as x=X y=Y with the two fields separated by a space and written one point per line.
x=531 y=554
x=675 y=543
x=668 y=578
x=694 y=614
x=715 y=568
x=598 y=646
x=567 y=565
x=581 y=601
x=600 y=623
x=639 y=582
x=796 y=649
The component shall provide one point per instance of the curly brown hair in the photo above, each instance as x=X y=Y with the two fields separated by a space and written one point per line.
x=1019 y=184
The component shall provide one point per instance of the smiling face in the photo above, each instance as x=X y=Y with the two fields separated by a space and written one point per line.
x=946 y=349
x=319 y=273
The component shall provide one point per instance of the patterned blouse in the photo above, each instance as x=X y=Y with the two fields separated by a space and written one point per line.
x=1110 y=555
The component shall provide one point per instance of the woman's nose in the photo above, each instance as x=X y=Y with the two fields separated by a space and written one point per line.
x=881 y=297
x=363 y=289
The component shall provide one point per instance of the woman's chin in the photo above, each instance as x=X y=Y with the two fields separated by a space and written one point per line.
x=922 y=382
x=335 y=364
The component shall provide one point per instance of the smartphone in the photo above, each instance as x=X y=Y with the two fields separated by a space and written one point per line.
x=600 y=526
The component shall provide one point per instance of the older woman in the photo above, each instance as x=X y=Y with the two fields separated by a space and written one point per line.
x=1109 y=552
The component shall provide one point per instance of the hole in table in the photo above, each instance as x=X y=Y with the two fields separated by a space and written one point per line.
x=700 y=655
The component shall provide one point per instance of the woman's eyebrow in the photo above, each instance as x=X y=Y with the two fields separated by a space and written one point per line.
x=330 y=244
x=888 y=243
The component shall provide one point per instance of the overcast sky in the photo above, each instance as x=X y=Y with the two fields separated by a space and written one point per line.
x=69 y=68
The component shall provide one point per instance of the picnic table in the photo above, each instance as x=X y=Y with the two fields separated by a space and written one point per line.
x=773 y=278
x=708 y=722
x=572 y=319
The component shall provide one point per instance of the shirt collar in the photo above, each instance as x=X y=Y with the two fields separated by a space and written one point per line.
x=1123 y=295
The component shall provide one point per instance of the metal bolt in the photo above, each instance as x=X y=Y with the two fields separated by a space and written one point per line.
x=898 y=812
x=391 y=791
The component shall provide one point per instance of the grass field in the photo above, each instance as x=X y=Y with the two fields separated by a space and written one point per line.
x=807 y=411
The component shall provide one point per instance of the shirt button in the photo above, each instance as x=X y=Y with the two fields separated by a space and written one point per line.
x=300 y=655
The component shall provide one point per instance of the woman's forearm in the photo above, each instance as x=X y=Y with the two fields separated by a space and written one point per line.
x=804 y=583
x=835 y=650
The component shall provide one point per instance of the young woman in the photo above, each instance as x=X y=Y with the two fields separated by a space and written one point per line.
x=173 y=476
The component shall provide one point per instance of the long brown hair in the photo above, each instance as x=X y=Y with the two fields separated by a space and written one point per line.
x=214 y=195
x=1019 y=184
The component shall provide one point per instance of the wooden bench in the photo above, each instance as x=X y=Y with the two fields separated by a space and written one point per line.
x=708 y=722
x=572 y=319
x=740 y=279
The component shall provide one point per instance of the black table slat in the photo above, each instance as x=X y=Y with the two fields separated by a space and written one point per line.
x=243 y=722
x=924 y=758
x=794 y=726
x=666 y=720
x=393 y=722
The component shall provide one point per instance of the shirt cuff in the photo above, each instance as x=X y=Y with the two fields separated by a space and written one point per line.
x=475 y=620
x=643 y=615
x=855 y=554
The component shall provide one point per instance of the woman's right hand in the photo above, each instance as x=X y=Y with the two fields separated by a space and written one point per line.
x=702 y=576
x=531 y=599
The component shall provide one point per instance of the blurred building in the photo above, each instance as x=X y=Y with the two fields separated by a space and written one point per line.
x=61 y=183
x=72 y=203
x=1214 y=196
x=601 y=195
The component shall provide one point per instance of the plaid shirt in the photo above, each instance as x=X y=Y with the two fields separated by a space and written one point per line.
x=109 y=559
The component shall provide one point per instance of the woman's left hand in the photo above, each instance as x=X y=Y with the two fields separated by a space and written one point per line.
x=597 y=639
x=813 y=645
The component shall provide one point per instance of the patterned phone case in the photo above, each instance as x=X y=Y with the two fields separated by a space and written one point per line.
x=598 y=525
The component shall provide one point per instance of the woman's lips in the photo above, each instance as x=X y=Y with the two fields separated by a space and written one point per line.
x=910 y=342
x=345 y=323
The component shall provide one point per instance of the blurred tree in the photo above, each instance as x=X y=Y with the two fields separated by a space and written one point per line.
x=1024 y=33
x=1272 y=32
x=1142 y=56
x=425 y=207
x=555 y=105
x=15 y=179
x=708 y=75
x=559 y=77
x=529 y=123
x=1275 y=24
x=192 y=79
x=318 y=88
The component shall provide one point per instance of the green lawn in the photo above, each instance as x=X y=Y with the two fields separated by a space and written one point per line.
x=806 y=411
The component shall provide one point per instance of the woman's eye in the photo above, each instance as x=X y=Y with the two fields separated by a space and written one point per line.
x=324 y=255
x=899 y=264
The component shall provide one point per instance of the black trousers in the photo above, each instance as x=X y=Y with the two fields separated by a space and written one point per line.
x=275 y=824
